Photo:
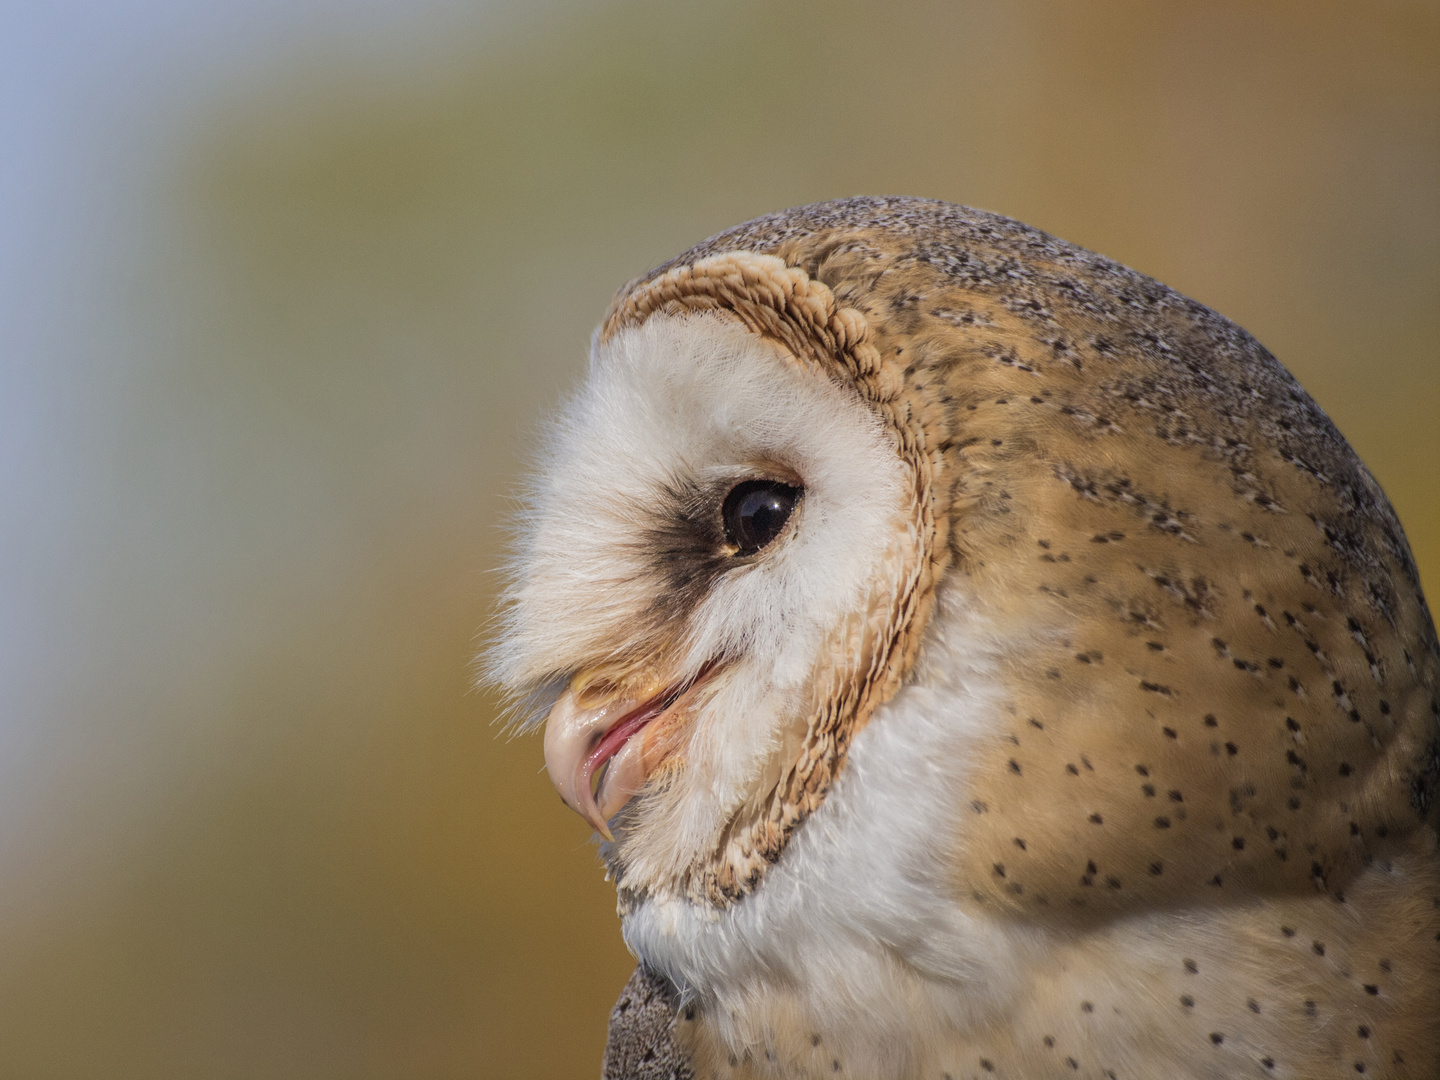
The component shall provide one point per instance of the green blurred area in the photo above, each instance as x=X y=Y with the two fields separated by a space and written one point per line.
x=339 y=867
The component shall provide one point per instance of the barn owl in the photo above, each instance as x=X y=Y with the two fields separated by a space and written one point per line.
x=978 y=660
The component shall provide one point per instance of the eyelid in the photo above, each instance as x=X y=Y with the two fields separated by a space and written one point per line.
x=769 y=470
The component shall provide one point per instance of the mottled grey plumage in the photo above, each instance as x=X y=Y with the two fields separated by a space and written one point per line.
x=640 y=1046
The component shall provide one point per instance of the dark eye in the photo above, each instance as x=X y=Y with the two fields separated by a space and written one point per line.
x=756 y=511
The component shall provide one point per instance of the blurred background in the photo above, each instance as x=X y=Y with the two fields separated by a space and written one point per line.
x=285 y=290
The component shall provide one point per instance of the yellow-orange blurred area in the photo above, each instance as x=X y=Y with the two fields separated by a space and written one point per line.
x=268 y=829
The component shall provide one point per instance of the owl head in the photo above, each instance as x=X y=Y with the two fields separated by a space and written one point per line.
x=844 y=452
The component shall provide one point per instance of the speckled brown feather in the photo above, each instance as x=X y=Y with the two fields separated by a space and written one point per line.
x=1228 y=707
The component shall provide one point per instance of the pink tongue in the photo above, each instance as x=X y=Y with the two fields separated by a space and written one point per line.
x=619 y=735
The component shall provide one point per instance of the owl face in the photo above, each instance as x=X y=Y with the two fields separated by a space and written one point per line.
x=717 y=541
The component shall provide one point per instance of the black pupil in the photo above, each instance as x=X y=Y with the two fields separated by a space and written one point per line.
x=756 y=511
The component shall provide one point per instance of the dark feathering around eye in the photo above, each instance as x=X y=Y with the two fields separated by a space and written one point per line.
x=756 y=511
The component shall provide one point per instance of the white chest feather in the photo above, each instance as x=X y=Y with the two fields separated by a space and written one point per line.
x=855 y=935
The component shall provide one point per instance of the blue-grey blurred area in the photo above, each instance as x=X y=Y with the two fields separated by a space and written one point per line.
x=285 y=291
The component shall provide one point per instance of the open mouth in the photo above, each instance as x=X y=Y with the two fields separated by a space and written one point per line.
x=614 y=740
x=597 y=756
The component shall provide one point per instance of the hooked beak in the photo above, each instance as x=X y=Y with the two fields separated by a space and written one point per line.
x=584 y=736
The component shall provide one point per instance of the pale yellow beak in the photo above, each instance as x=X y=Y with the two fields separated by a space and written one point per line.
x=600 y=745
x=581 y=741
